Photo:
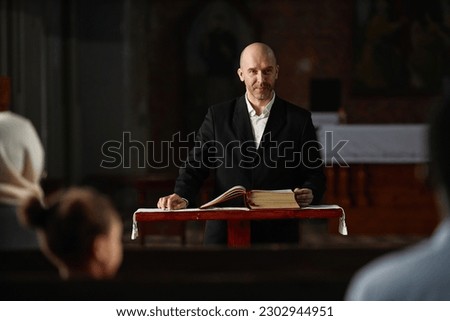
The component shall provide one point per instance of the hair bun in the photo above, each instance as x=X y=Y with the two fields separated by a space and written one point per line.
x=32 y=213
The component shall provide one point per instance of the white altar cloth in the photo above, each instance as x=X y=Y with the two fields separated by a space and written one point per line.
x=373 y=144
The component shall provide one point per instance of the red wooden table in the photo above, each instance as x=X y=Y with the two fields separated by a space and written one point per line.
x=238 y=218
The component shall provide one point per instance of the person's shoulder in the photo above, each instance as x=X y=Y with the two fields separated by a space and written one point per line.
x=389 y=277
x=8 y=118
x=375 y=280
x=227 y=107
x=14 y=116
x=229 y=103
x=292 y=108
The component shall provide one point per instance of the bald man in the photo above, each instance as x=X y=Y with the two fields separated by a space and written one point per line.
x=259 y=141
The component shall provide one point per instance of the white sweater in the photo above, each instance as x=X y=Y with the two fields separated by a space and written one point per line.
x=21 y=159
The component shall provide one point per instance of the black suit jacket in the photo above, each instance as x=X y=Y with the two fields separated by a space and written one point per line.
x=288 y=157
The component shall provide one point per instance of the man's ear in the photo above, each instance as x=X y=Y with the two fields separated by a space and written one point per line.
x=240 y=74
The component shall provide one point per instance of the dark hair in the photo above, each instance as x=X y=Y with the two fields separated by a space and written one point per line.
x=70 y=223
x=438 y=143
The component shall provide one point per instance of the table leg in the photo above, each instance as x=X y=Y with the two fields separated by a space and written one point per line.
x=238 y=233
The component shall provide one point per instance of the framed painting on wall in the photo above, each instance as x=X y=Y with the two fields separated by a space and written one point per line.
x=401 y=47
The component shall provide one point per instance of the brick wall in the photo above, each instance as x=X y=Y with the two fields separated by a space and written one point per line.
x=312 y=39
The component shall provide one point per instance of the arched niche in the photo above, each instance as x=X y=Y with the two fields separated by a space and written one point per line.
x=215 y=37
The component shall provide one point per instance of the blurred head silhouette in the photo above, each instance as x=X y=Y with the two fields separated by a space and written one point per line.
x=79 y=231
x=439 y=137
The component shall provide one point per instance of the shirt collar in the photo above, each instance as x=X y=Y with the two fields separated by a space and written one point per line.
x=266 y=110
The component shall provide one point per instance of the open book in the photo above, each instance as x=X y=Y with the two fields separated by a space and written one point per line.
x=257 y=198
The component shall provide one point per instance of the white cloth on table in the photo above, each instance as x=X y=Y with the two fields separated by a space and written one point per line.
x=342 y=228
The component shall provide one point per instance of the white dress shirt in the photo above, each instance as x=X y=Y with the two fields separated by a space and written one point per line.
x=259 y=121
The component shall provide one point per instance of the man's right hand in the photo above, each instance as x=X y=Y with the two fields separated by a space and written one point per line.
x=172 y=202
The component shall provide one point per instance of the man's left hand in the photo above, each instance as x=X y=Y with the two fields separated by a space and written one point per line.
x=303 y=196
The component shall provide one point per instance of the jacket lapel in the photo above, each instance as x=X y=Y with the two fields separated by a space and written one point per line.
x=276 y=121
x=241 y=122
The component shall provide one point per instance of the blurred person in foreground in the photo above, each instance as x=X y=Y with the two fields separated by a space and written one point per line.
x=21 y=169
x=420 y=272
x=79 y=231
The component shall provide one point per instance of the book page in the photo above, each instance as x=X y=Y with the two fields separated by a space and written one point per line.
x=272 y=199
x=233 y=192
x=271 y=191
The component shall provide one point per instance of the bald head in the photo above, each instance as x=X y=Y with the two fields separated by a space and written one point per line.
x=259 y=72
x=258 y=49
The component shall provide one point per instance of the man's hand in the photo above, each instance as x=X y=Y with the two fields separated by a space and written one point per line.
x=303 y=196
x=172 y=202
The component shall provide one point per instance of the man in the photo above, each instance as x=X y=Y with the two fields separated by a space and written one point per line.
x=258 y=141
x=419 y=272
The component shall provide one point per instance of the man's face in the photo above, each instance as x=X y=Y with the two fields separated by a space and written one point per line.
x=259 y=72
